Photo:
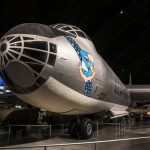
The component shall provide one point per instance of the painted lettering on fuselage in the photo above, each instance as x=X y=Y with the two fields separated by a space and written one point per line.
x=120 y=91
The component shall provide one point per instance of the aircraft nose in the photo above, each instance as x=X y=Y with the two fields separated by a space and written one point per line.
x=15 y=72
x=27 y=56
x=23 y=62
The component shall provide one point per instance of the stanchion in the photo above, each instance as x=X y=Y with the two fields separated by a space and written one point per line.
x=95 y=146
x=116 y=131
x=50 y=130
x=119 y=130
x=97 y=127
x=9 y=132
x=62 y=130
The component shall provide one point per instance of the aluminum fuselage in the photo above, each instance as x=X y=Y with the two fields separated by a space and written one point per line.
x=65 y=89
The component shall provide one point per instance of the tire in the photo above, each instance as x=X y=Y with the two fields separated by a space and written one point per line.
x=85 y=128
x=73 y=129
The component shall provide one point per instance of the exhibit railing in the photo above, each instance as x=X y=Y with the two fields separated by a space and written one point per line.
x=117 y=144
x=116 y=131
x=62 y=129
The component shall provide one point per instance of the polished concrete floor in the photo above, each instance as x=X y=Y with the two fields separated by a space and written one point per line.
x=33 y=136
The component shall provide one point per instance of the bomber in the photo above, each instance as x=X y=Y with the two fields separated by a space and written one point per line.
x=57 y=68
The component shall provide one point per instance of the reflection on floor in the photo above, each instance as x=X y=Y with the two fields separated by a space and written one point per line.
x=44 y=136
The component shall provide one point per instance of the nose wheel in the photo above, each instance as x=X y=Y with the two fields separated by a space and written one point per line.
x=82 y=128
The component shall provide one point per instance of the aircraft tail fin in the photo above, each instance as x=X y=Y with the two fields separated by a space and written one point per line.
x=130 y=79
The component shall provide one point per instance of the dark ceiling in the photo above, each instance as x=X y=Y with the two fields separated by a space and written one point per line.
x=120 y=29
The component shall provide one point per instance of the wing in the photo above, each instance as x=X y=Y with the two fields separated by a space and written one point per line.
x=139 y=92
x=117 y=114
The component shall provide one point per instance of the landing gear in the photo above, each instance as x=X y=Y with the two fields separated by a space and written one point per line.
x=85 y=128
x=81 y=128
x=73 y=129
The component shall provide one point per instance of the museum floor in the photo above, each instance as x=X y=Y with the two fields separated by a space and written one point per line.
x=110 y=134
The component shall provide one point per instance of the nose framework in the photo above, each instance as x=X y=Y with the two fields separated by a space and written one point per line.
x=7 y=50
x=3 y=47
x=23 y=59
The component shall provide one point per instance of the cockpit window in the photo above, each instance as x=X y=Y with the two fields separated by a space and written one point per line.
x=14 y=54
x=52 y=55
x=37 y=45
x=9 y=38
x=53 y=48
x=72 y=32
x=9 y=57
x=52 y=59
x=15 y=39
x=16 y=44
x=69 y=29
x=66 y=28
x=35 y=54
x=28 y=38
x=36 y=66
x=81 y=34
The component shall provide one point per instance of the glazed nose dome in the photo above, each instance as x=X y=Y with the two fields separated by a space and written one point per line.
x=19 y=69
x=27 y=56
